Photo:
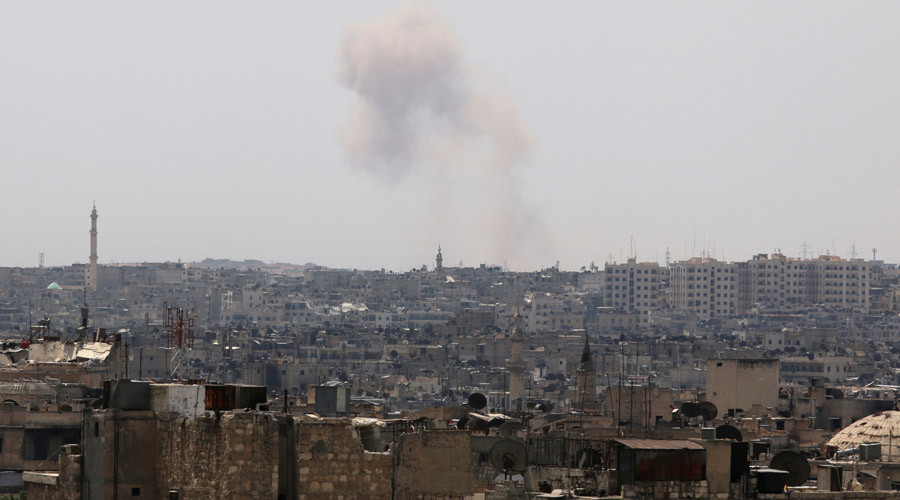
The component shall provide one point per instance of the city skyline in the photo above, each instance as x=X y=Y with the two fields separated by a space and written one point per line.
x=707 y=251
x=737 y=126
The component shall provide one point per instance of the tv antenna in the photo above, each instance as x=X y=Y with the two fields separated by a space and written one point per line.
x=179 y=334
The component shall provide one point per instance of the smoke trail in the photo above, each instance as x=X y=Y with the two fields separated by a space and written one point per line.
x=420 y=109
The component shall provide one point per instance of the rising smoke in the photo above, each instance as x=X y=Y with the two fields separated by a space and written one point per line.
x=420 y=110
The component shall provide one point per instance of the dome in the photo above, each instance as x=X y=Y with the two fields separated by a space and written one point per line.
x=882 y=427
x=53 y=286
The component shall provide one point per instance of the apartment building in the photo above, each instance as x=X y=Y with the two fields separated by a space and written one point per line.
x=545 y=312
x=634 y=287
x=778 y=283
x=704 y=288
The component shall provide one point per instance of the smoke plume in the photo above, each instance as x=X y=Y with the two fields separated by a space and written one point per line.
x=419 y=110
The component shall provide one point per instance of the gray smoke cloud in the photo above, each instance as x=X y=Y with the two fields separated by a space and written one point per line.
x=420 y=110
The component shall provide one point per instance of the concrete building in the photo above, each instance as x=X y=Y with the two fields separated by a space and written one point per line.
x=738 y=384
x=783 y=284
x=546 y=312
x=634 y=287
x=704 y=288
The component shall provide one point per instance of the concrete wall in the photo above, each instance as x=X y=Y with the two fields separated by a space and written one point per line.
x=120 y=450
x=718 y=465
x=183 y=400
x=739 y=383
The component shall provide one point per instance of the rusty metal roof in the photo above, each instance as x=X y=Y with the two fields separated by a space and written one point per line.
x=660 y=444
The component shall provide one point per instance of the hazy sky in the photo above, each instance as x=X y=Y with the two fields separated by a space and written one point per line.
x=533 y=131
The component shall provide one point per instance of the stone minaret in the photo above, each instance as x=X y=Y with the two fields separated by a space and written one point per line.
x=92 y=271
x=516 y=366
x=586 y=377
x=439 y=261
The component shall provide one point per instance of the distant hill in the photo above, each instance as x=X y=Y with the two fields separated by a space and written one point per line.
x=243 y=265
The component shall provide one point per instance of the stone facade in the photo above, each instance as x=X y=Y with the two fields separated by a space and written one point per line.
x=654 y=490
x=235 y=456
x=64 y=485
x=333 y=464
x=434 y=465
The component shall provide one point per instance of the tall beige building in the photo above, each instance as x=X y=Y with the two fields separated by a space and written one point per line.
x=783 y=284
x=634 y=287
x=704 y=288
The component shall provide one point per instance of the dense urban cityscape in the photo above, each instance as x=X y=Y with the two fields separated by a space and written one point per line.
x=242 y=379
x=449 y=250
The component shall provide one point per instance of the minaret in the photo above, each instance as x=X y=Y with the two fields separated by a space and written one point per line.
x=439 y=261
x=516 y=366
x=92 y=271
x=586 y=377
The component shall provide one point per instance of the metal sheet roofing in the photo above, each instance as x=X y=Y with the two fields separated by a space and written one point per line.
x=660 y=444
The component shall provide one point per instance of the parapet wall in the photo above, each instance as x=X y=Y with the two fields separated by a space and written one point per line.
x=434 y=465
x=234 y=456
x=241 y=455
x=333 y=463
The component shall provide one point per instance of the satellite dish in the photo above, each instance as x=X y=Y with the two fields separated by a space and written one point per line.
x=461 y=423
x=728 y=432
x=546 y=406
x=511 y=427
x=477 y=400
x=690 y=410
x=708 y=410
x=794 y=463
x=834 y=392
x=508 y=455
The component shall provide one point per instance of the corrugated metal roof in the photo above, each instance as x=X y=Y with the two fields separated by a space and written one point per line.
x=660 y=444
x=28 y=386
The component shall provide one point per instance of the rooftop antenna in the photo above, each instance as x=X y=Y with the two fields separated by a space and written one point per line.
x=668 y=257
x=804 y=250
x=853 y=250
x=633 y=254
x=41 y=260
x=874 y=254
x=694 y=245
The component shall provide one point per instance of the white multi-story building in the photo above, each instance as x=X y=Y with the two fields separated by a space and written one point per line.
x=634 y=287
x=704 y=288
x=779 y=283
x=545 y=312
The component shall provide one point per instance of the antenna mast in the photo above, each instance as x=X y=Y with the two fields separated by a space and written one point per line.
x=179 y=334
